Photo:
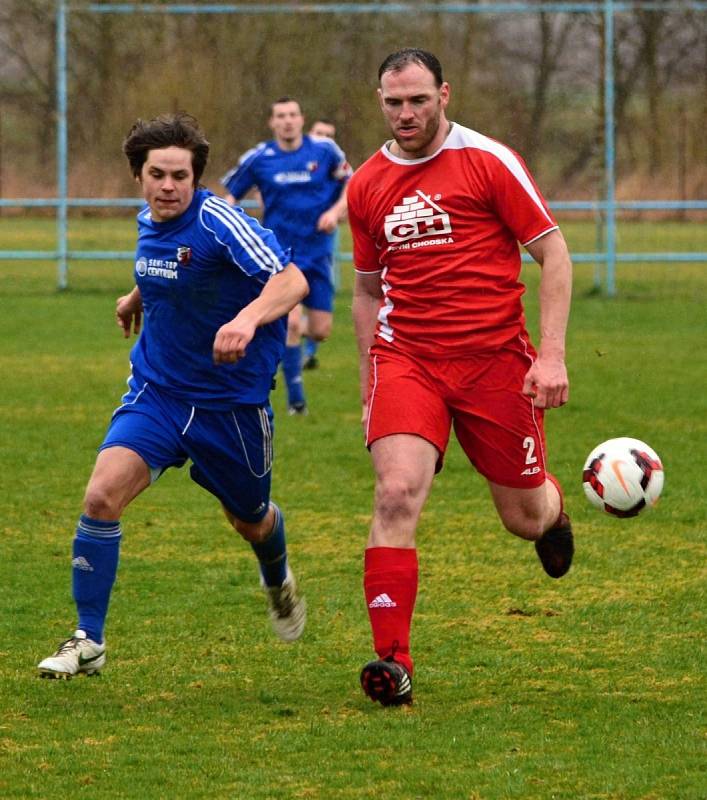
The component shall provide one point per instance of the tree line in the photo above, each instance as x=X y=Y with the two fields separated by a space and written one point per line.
x=532 y=80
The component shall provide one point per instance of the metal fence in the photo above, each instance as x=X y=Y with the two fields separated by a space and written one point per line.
x=605 y=210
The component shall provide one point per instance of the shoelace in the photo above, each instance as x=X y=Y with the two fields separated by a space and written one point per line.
x=69 y=644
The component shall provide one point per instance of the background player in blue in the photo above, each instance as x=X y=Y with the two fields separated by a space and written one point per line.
x=326 y=129
x=302 y=181
x=213 y=286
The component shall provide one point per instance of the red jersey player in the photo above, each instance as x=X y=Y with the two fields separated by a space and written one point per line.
x=436 y=216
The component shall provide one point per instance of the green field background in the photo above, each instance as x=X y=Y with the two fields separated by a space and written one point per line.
x=588 y=687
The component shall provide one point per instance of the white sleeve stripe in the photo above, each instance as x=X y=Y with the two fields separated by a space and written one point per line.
x=540 y=235
x=252 y=243
x=249 y=155
x=256 y=248
x=468 y=138
x=227 y=177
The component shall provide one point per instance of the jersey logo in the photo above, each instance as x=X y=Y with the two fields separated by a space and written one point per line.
x=416 y=217
x=293 y=176
x=183 y=255
x=530 y=471
x=156 y=268
x=312 y=166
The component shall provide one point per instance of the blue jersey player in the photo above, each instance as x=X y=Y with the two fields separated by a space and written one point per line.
x=302 y=183
x=213 y=287
x=324 y=128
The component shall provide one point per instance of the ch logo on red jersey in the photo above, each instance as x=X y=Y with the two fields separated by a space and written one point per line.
x=417 y=216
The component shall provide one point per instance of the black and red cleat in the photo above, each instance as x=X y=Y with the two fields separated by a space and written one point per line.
x=387 y=682
x=555 y=547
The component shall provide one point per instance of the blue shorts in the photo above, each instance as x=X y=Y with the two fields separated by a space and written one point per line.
x=321 y=285
x=231 y=451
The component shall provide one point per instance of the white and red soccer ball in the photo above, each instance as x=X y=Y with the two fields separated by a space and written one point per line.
x=623 y=476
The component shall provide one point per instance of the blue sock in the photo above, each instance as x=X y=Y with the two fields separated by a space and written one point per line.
x=272 y=552
x=292 y=367
x=310 y=347
x=95 y=563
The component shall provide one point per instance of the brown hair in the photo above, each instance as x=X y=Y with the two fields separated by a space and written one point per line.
x=167 y=130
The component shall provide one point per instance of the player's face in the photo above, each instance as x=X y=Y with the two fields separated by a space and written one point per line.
x=287 y=121
x=413 y=106
x=325 y=129
x=167 y=181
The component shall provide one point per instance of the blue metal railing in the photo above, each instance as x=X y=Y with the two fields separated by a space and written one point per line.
x=567 y=205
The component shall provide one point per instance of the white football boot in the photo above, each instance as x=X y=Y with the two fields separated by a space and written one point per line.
x=287 y=608
x=76 y=655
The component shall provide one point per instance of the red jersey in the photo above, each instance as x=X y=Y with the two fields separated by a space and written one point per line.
x=444 y=231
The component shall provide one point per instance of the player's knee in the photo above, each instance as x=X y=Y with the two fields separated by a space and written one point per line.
x=395 y=498
x=252 y=532
x=293 y=329
x=320 y=332
x=100 y=503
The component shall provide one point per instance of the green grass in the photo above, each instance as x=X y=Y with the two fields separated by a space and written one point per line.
x=588 y=687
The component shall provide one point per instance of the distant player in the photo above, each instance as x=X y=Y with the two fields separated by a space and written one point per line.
x=302 y=182
x=214 y=288
x=326 y=128
x=436 y=216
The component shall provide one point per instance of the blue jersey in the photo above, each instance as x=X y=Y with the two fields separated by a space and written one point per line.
x=195 y=273
x=297 y=187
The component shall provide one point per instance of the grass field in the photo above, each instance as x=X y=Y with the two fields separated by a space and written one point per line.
x=588 y=687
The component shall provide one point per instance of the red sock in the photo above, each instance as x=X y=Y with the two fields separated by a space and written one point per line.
x=390 y=586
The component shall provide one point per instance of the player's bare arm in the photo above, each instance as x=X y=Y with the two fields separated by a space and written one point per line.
x=547 y=380
x=367 y=295
x=128 y=312
x=334 y=215
x=279 y=296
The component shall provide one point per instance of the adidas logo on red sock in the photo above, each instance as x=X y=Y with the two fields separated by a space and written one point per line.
x=382 y=601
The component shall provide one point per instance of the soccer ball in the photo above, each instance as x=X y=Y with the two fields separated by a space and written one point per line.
x=623 y=476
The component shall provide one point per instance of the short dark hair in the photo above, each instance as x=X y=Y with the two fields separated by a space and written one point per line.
x=166 y=130
x=412 y=55
x=284 y=99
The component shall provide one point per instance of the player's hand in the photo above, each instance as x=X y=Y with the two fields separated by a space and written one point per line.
x=231 y=341
x=328 y=222
x=547 y=383
x=128 y=313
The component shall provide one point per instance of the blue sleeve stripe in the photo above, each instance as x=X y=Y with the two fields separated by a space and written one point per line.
x=261 y=254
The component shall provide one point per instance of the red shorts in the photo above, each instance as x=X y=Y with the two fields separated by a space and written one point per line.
x=497 y=426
